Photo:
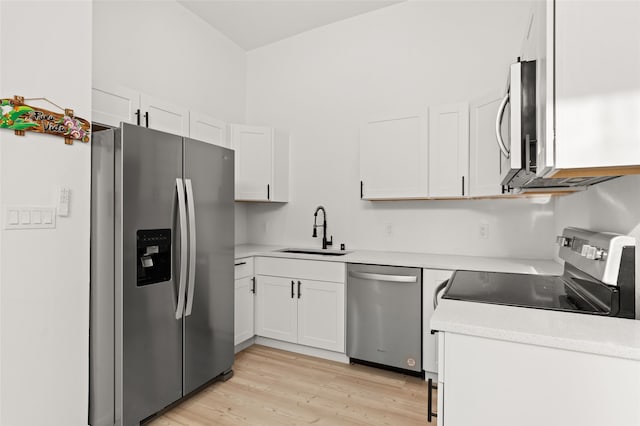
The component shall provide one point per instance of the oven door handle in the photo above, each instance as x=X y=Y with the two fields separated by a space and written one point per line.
x=437 y=291
x=501 y=109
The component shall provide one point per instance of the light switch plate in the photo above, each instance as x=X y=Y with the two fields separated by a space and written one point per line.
x=29 y=217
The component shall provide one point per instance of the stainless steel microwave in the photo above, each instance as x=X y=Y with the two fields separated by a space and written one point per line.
x=516 y=127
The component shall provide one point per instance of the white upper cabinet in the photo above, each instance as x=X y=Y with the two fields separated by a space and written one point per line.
x=393 y=156
x=164 y=116
x=112 y=104
x=262 y=163
x=588 y=86
x=208 y=129
x=449 y=150
x=484 y=154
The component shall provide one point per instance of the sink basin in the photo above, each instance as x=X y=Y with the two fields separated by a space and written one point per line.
x=326 y=252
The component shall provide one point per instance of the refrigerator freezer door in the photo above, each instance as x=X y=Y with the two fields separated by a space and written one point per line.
x=101 y=329
x=151 y=352
x=208 y=339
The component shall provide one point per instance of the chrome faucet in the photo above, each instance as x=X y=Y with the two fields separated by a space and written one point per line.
x=325 y=243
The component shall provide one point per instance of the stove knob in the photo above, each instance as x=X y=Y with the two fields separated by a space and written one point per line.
x=592 y=252
x=563 y=241
x=588 y=251
x=601 y=254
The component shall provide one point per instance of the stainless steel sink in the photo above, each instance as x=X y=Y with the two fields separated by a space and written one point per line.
x=325 y=252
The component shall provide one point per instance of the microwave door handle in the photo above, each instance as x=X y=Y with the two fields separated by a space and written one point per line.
x=499 y=117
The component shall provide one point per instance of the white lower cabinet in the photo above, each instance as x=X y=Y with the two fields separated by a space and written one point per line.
x=243 y=313
x=431 y=278
x=493 y=382
x=298 y=308
x=277 y=308
x=321 y=315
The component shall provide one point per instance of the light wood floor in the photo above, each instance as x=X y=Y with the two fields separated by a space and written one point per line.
x=274 y=387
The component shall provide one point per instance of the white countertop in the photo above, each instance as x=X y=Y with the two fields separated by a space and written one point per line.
x=418 y=260
x=617 y=337
x=578 y=332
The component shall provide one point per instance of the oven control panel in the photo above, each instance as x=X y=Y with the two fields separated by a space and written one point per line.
x=596 y=253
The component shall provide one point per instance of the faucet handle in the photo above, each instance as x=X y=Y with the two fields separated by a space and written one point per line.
x=330 y=241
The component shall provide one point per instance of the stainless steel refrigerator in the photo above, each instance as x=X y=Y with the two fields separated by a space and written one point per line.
x=162 y=283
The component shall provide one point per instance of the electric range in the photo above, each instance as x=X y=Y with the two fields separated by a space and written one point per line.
x=598 y=279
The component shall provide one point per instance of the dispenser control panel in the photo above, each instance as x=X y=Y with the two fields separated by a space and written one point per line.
x=153 y=256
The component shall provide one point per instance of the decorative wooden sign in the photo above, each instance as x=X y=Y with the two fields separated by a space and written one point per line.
x=20 y=117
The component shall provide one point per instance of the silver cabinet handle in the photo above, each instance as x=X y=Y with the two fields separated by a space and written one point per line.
x=437 y=291
x=501 y=109
x=384 y=277
x=191 y=206
x=182 y=215
x=241 y=263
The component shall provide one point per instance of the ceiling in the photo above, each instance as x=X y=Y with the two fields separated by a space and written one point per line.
x=255 y=23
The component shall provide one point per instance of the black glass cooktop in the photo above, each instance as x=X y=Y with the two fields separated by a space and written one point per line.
x=533 y=291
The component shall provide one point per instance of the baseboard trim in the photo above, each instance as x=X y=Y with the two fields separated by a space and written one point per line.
x=244 y=345
x=301 y=349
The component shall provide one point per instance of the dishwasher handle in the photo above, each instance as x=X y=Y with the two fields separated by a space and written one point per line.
x=384 y=277
x=437 y=291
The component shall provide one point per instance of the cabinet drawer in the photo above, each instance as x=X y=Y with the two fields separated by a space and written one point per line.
x=301 y=268
x=243 y=267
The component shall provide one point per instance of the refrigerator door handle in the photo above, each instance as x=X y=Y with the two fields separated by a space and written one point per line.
x=191 y=206
x=182 y=215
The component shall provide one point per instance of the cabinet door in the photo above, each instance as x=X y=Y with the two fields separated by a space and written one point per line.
x=597 y=84
x=538 y=45
x=276 y=308
x=449 y=150
x=164 y=116
x=393 y=156
x=244 y=310
x=321 y=314
x=568 y=387
x=112 y=104
x=484 y=154
x=254 y=162
x=431 y=278
x=208 y=129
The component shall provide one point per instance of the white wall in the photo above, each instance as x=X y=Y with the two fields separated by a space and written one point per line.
x=44 y=274
x=612 y=206
x=321 y=84
x=162 y=49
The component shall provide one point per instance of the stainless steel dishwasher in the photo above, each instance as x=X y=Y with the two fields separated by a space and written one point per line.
x=384 y=315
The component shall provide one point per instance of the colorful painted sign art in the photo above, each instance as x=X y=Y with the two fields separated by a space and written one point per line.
x=19 y=117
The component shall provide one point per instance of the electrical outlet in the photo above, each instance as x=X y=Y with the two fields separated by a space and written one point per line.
x=389 y=229
x=484 y=231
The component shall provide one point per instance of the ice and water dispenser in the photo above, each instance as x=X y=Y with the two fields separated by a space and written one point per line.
x=154 y=256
